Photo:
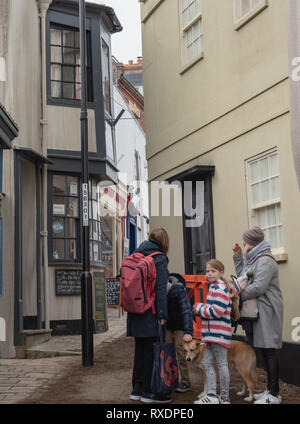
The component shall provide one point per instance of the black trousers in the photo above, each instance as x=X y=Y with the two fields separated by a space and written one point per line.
x=271 y=360
x=143 y=364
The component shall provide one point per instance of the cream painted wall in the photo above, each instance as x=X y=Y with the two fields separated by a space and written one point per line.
x=64 y=128
x=237 y=65
x=22 y=93
x=230 y=106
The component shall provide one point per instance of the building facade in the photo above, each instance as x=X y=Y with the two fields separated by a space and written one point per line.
x=40 y=88
x=223 y=119
x=131 y=152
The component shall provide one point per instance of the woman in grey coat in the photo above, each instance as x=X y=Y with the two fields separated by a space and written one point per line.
x=267 y=329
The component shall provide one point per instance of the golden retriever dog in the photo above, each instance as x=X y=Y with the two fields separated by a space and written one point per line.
x=242 y=354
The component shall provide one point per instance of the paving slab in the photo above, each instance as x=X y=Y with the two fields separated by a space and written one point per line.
x=19 y=378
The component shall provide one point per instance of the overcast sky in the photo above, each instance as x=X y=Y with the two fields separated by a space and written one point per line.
x=126 y=44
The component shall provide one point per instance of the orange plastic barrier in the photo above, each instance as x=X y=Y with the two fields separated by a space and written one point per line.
x=197 y=289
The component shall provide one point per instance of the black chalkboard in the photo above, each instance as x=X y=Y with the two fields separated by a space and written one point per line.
x=67 y=282
x=113 y=291
x=101 y=323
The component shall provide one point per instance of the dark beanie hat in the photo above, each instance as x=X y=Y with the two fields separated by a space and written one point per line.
x=253 y=236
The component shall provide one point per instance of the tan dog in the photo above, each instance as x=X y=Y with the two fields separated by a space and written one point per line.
x=241 y=353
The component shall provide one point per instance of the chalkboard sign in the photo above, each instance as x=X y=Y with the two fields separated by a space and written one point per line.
x=101 y=324
x=67 y=282
x=113 y=291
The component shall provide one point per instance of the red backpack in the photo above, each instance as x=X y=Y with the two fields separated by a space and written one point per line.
x=137 y=283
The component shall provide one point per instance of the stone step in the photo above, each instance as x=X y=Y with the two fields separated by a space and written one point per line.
x=30 y=338
x=38 y=354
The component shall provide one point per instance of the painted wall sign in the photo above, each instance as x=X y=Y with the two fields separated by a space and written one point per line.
x=67 y=282
x=101 y=322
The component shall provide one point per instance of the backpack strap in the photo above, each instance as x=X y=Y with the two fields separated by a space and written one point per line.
x=156 y=253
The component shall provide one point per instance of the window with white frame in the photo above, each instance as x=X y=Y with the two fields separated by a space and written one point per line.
x=191 y=29
x=264 y=197
x=244 y=9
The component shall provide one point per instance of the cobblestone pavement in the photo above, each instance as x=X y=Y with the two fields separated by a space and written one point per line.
x=19 y=378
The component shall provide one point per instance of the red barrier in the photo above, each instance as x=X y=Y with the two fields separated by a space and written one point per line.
x=197 y=288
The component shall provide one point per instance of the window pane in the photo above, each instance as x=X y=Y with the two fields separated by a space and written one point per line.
x=280 y=237
x=278 y=211
x=68 y=90
x=55 y=36
x=72 y=206
x=71 y=249
x=69 y=56
x=254 y=172
x=59 y=184
x=106 y=76
x=78 y=91
x=94 y=228
x=109 y=141
x=262 y=220
x=56 y=72
x=264 y=168
x=198 y=6
x=265 y=195
x=77 y=39
x=246 y=7
x=271 y=215
x=68 y=73
x=56 y=89
x=56 y=54
x=275 y=189
x=185 y=17
x=70 y=228
x=273 y=237
x=58 y=227
x=255 y=194
x=59 y=206
x=72 y=185
x=273 y=161
x=68 y=38
x=190 y=52
x=58 y=249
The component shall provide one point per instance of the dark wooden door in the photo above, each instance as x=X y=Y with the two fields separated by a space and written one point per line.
x=199 y=243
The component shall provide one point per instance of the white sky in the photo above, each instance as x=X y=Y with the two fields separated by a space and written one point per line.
x=126 y=44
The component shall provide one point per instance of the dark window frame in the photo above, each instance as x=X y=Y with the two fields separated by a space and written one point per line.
x=64 y=21
x=94 y=221
x=51 y=216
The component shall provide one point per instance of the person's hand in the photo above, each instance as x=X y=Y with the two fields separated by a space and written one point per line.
x=237 y=250
x=187 y=338
x=162 y=322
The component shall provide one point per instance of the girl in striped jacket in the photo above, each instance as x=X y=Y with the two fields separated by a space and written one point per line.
x=216 y=332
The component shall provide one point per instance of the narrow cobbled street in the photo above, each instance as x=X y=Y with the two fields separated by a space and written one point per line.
x=109 y=381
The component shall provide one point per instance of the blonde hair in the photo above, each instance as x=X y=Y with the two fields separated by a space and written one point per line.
x=216 y=264
x=161 y=237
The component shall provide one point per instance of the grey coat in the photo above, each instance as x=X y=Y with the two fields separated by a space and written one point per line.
x=267 y=330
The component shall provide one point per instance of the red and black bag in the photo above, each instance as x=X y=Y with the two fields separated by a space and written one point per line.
x=164 y=379
x=137 y=283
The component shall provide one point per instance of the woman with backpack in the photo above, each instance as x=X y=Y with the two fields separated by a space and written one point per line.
x=144 y=327
x=264 y=333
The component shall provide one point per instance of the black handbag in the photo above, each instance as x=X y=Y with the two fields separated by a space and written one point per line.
x=165 y=371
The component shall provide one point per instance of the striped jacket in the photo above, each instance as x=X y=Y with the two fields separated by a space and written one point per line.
x=215 y=315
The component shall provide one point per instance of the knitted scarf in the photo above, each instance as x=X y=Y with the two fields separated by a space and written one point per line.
x=261 y=247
